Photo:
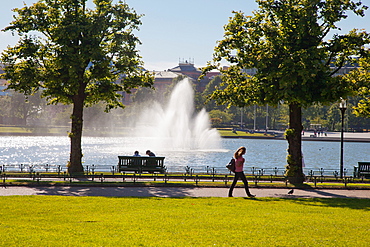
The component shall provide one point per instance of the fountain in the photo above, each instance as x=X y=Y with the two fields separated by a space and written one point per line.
x=176 y=127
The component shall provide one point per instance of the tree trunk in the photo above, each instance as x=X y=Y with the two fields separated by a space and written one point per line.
x=75 y=160
x=294 y=170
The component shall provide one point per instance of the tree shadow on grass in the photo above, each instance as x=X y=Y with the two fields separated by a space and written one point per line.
x=354 y=199
x=332 y=198
x=338 y=202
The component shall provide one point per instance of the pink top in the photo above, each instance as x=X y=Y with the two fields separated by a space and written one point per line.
x=239 y=161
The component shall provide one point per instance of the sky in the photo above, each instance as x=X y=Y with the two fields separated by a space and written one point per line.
x=174 y=31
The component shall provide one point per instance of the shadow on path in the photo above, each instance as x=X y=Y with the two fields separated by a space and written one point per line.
x=116 y=191
x=328 y=194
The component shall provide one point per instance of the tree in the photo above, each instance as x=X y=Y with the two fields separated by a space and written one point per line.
x=75 y=55
x=285 y=41
x=362 y=74
x=143 y=95
x=209 y=89
x=26 y=108
x=363 y=107
x=316 y=114
x=223 y=116
x=334 y=117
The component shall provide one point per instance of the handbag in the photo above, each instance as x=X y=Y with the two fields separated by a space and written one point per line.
x=231 y=165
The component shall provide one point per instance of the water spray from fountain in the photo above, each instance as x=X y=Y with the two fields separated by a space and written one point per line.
x=176 y=126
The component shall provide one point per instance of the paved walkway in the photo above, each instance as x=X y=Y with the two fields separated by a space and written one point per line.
x=335 y=136
x=178 y=192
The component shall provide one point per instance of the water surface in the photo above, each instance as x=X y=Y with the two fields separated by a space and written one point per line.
x=103 y=151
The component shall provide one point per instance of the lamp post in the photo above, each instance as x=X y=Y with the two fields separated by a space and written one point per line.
x=254 y=117
x=241 y=117
x=343 y=108
x=267 y=117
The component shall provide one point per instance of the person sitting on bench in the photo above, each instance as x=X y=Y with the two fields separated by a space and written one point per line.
x=150 y=162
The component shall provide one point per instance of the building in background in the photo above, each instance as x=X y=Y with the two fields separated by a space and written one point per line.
x=187 y=68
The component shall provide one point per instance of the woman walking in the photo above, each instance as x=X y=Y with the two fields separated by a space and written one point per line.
x=239 y=164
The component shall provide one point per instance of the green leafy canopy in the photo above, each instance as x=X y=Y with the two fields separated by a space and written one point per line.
x=287 y=42
x=67 y=49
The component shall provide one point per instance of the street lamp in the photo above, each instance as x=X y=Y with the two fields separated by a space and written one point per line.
x=343 y=108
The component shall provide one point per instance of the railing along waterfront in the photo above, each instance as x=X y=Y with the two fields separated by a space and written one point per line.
x=94 y=173
x=250 y=170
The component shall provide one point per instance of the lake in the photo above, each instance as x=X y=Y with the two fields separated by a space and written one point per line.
x=102 y=152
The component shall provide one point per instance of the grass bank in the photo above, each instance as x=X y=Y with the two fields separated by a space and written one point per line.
x=228 y=132
x=62 y=130
x=102 y=221
x=17 y=130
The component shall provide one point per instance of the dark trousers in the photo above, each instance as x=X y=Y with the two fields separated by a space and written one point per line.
x=240 y=175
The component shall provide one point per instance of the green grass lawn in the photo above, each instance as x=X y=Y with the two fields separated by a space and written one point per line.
x=229 y=133
x=106 y=221
x=11 y=129
x=33 y=130
x=60 y=130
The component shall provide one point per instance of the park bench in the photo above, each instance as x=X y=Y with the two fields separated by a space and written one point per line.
x=139 y=164
x=363 y=170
